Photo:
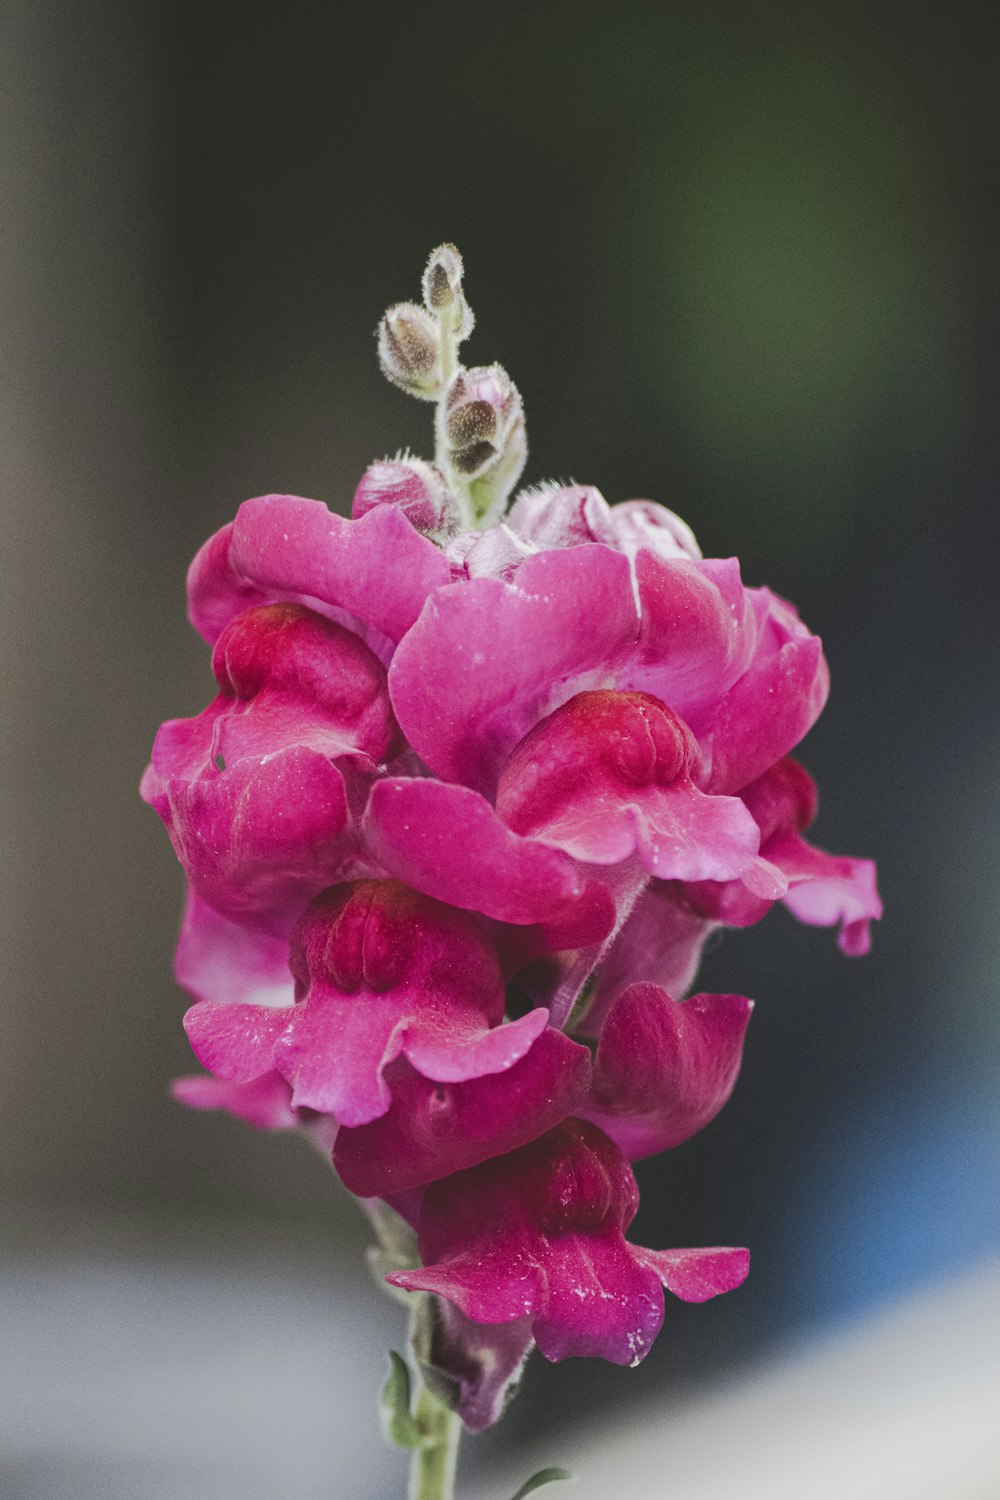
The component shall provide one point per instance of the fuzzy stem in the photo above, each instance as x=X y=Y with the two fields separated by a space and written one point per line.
x=432 y=1471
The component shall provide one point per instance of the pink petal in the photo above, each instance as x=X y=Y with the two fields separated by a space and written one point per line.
x=446 y=840
x=825 y=889
x=478 y=669
x=217 y=960
x=605 y=776
x=664 y=1069
x=236 y=1042
x=377 y=569
x=698 y=631
x=335 y=1053
x=451 y=1049
x=767 y=712
x=263 y=1102
x=432 y=1130
x=261 y=838
x=697 y=1275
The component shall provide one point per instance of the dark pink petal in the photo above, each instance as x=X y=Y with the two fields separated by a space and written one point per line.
x=481 y=664
x=432 y=1130
x=218 y=960
x=664 y=1069
x=661 y=942
x=822 y=889
x=606 y=776
x=697 y=1275
x=236 y=1042
x=378 y=569
x=263 y=1102
x=491 y=1286
x=447 y=841
x=600 y=1301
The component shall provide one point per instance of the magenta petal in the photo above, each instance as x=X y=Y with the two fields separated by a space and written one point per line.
x=377 y=569
x=664 y=1068
x=447 y=841
x=600 y=1301
x=263 y=1102
x=697 y=1275
x=479 y=667
x=217 y=960
x=826 y=889
x=432 y=1130
x=766 y=714
x=452 y=1051
x=336 y=1051
x=264 y=836
x=491 y=1287
x=236 y=1042
x=661 y=942
x=683 y=834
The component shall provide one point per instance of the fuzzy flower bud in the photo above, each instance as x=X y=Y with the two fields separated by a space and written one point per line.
x=443 y=293
x=483 y=422
x=408 y=350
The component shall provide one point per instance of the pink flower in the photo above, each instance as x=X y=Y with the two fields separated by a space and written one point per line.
x=255 y=790
x=664 y=1069
x=383 y=973
x=824 y=890
x=538 y=1235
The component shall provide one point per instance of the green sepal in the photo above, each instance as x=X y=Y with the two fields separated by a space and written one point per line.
x=544 y=1476
x=398 y=1422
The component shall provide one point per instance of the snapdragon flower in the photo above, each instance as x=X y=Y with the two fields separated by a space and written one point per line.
x=483 y=771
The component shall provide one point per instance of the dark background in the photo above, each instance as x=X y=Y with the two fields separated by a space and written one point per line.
x=741 y=260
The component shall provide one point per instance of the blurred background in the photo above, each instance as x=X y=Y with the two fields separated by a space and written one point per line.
x=741 y=260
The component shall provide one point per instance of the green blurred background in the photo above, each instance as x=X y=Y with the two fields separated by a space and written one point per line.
x=739 y=259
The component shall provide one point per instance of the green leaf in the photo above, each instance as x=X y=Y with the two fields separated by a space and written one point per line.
x=398 y=1422
x=544 y=1476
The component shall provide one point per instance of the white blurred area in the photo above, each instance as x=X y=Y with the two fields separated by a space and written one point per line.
x=164 y=1362
x=904 y=1406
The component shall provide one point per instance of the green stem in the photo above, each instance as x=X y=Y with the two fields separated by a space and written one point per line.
x=432 y=1472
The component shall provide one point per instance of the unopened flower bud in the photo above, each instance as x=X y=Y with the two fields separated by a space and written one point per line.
x=409 y=350
x=412 y=486
x=443 y=290
x=481 y=411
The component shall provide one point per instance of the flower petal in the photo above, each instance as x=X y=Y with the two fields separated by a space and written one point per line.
x=263 y=1102
x=600 y=1301
x=697 y=1275
x=447 y=841
x=481 y=664
x=236 y=1042
x=377 y=569
x=664 y=1068
x=432 y=1130
x=218 y=960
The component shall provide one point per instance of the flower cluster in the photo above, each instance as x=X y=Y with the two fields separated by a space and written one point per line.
x=476 y=785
